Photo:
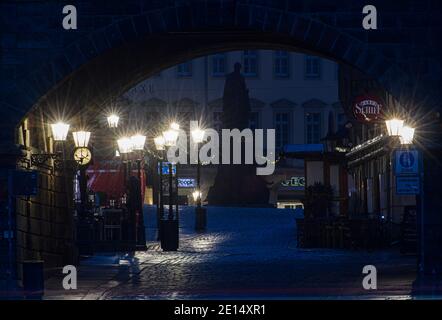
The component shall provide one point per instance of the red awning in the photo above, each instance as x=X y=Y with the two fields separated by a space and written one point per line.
x=108 y=177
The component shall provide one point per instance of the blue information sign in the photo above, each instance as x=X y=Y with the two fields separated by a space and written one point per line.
x=407 y=185
x=166 y=168
x=406 y=162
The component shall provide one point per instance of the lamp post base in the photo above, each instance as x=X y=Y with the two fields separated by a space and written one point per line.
x=200 y=219
x=169 y=235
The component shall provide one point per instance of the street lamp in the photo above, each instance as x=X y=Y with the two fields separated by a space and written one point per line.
x=138 y=141
x=200 y=213
x=394 y=127
x=170 y=137
x=60 y=131
x=175 y=126
x=196 y=195
x=81 y=138
x=160 y=146
x=124 y=145
x=159 y=143
x=407 y=135
x=112 y=120
x=169 y=228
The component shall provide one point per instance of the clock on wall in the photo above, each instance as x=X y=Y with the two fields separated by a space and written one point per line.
x=83 y=156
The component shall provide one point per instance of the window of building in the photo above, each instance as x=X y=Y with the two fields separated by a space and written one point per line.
x=312 y=67
x=219 y=65
x=254 y=120
x=313 y=127
x=281 y=63
x=184 y=69
x=282 y=129
x=250 y=63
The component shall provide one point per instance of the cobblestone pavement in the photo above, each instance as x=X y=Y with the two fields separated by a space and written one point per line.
x=245 y=254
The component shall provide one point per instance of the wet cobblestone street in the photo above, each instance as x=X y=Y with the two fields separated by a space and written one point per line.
x=245 y=254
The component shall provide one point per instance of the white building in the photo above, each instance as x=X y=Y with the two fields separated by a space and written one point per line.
x=291 y=92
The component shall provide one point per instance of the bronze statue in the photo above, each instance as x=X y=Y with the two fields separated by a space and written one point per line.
x=237 y=185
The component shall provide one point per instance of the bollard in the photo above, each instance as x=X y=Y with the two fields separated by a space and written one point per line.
x=200 y=219
x=169 y=235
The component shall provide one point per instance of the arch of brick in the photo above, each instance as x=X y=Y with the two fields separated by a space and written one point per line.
x=119 y=43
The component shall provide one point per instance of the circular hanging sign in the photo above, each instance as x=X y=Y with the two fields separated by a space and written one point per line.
x=367 y=109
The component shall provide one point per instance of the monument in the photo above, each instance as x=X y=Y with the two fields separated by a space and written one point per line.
x=237 y=185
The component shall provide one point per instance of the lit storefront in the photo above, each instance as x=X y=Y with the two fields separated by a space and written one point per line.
x=380 y=195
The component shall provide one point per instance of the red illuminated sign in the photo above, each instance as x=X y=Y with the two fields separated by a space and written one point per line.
x=368 y=109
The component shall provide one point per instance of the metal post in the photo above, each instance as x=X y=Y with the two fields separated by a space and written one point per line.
x=170 y=217
x=176 y=193
x=83 y=191
x=388 y=195
x=141 y=238
x=160 y=200
x=161 y=190
x=125 y=178
x=198 y=177
x=129 y=169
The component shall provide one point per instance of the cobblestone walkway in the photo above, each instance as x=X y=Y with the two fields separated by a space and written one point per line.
x=245 y=254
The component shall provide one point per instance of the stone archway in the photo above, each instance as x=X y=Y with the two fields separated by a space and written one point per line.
x=101 y=61
x=105 y=59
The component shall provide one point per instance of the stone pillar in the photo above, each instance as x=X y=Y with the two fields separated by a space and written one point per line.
x=9 y=155
x=431 y=222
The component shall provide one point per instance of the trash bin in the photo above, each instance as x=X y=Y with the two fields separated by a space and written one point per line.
x=33 y=279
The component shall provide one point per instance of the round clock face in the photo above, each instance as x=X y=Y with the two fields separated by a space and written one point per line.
x=83 y=156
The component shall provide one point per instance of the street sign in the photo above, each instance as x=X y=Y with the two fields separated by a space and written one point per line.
x=24 y=183
x=407 y=185
x=406 y=162
x=186 y=183
x=166 y=168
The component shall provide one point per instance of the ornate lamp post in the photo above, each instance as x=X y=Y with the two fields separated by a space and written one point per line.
x=125 y=149
x=169 y=227
x=82 y=155
x=138 y=141
x=404 y=135
x=160 y=146
x=200 y=213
